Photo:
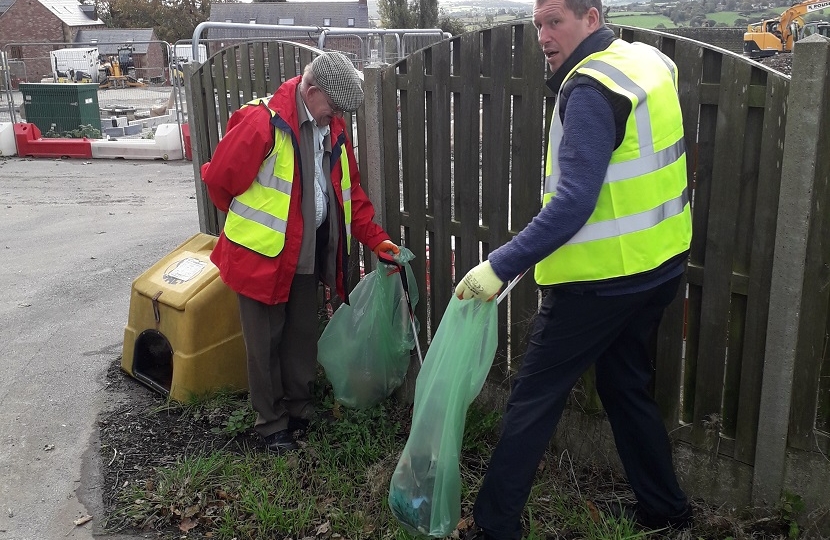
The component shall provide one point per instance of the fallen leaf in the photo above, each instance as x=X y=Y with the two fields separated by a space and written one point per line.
x=191 y=511
x=323 y=529
x=592 y=509
x=187 y=524
x=84 y=519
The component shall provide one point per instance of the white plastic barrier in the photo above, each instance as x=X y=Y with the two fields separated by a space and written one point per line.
x=7 y=145
x=166 y=145
x=153 y=121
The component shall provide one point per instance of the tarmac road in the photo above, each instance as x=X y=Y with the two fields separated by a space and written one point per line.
x=73 y=236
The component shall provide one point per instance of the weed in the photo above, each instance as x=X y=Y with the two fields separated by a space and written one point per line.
x=792 y=506
x=239 y=421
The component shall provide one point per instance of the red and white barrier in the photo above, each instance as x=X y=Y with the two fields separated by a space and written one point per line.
x=26 y=138
x=30 y=143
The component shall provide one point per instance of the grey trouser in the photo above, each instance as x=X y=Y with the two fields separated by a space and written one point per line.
x=281 y=343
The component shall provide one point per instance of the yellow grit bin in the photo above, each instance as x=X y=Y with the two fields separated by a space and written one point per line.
x=183 y=335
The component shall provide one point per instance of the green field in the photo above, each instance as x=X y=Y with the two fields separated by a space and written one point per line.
x=640 y=20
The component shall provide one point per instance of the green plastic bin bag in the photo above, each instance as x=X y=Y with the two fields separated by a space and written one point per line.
x=425 y=491
x=365 y=347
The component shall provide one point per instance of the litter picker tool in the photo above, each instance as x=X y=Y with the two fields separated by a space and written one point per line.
x=510 y=285
x=388 y=259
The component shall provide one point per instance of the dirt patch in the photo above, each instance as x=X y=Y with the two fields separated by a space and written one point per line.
x=140 y=431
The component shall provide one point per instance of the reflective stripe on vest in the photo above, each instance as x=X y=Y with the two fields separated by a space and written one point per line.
x=642 y=217
x=346 y=189
x=258 y=218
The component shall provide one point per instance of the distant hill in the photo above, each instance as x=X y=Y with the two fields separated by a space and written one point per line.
x=481 y=5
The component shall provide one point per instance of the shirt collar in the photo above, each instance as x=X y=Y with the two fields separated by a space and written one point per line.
x=304 y=115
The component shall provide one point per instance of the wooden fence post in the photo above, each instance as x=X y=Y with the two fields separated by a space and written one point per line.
x=371 y=128
x=797 y=317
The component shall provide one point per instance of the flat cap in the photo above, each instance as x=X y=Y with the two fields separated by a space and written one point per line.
x=337 y=77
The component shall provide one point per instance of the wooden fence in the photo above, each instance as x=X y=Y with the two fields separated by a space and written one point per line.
x=740 y=370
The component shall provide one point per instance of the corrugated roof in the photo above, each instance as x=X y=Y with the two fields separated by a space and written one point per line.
x=70 y=12
x=109 y=39
x=302 y=13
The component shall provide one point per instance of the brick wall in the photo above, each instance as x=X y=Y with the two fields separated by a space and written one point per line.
x=729 y=38
x=28 y=21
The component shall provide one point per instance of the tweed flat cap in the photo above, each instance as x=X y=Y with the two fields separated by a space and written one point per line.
x=337 y=77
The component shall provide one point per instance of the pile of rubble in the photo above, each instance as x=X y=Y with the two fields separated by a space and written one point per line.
x=780 y=62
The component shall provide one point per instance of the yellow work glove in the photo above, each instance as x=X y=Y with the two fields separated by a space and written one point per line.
x=480 y=283
x=385 y=246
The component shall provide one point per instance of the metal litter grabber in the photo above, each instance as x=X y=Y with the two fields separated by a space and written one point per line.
x=510 y=285
x=389 y=260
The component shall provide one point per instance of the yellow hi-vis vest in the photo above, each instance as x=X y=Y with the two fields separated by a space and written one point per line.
x=258 y=218
x=642 y=217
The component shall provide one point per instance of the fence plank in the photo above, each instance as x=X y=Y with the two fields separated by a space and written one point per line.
x=495 y=161
x=414 y=171
x=466 y=151
x=200 y=144
x=741 y=256
x=245 y=74
x=760 y=264
x=700 y=162
x=275 y=73
x=259 y=70
x=526 y=174
x=233 y=78
x=209 y=90
x=669 y=353
x=720 y=241
x=221 y=90
x=439 y=174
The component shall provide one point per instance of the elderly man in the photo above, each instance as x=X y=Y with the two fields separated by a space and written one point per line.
x=286 y=175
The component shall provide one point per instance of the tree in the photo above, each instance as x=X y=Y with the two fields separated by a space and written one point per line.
x=448 y=23
x=398 y=14
x=428 y=14
x=172 y=20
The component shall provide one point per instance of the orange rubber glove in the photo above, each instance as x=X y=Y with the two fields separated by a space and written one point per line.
x=386 y=245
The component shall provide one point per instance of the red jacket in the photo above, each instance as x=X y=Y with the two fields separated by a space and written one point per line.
x=235 y=164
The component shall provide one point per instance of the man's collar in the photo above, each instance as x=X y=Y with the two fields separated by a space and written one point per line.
x=598 y=41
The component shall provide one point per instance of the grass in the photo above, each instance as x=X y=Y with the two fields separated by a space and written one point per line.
x=337 y=485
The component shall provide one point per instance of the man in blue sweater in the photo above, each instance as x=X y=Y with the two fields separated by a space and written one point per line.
x=609 y=248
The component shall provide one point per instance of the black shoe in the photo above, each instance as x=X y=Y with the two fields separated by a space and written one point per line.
x=477 y=533
x=635 y=514
x=280 y=442
x=297 y=424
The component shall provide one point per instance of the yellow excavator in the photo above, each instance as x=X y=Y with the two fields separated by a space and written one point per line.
x=777 y=35
x=118 y=71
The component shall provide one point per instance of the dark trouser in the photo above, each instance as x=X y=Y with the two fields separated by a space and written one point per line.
x=281 y=344
x=571 y=332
